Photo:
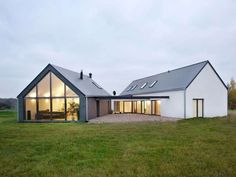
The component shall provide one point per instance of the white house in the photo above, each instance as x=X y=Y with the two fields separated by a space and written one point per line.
x=191 y=91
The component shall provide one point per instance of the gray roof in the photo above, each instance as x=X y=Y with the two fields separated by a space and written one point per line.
x=86 y=85
x=177 y=79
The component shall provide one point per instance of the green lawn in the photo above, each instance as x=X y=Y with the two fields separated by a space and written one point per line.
x=196 y=147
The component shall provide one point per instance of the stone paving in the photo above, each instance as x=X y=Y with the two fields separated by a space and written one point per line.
x=131 y=118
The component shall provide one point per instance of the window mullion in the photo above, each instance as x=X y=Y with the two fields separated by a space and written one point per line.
x=50 y=95
x=65 y=101
x=37 y=101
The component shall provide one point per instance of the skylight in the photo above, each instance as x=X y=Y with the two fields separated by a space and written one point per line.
x=152 y=84
x=98 y=86
x=130 y=88
x=133 y=87
x=144 y=85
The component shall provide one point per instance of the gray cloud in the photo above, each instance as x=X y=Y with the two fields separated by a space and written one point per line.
x=116 y=40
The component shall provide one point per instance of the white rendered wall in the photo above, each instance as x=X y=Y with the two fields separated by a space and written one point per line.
x=208 y=86
x=172 y=107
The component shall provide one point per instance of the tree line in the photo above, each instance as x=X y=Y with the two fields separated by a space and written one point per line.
x=232 y=94
x=7 y=103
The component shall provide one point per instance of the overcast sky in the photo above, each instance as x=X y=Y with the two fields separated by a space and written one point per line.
x=118 y=41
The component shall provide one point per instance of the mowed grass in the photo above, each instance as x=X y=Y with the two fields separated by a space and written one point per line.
x=196 y=147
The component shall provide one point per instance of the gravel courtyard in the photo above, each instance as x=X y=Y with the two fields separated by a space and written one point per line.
x=131 y=118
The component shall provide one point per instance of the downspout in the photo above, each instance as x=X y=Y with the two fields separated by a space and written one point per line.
x=185 y=103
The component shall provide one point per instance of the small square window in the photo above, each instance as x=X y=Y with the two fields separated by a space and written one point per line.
x=98 y=86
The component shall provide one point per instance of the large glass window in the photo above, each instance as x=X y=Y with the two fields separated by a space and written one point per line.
x=32 y=93
x=44 y=104
x=58 y=89
x=153 y=102
x=148 y=107
x=143 y=107
x=155 y=107
x=158 y=108
x=58 y=104
x=44 y=87
x=51 y=99
x=134 y=107
x=116 y=107
x=30 y=108
x=72 y=112
x=121 y=106
x=44 y=111
x=58 y=108
x=70 y=93
x=127 y=106
x=138 y=106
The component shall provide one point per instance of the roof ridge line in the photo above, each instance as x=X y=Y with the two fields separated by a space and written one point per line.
x=172 y=70
x=66 y=69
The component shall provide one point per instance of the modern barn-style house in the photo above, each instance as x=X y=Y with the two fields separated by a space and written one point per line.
x=58 y=94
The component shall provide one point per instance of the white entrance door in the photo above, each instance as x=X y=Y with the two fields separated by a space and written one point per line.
x=198 y=107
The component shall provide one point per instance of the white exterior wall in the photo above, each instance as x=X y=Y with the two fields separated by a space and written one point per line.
x=172 y=107
x=208 y=86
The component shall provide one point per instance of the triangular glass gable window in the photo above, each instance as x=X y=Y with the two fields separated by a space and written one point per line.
x=70 y=92
x=32 y=93
x=44 y=87
x=57 y=86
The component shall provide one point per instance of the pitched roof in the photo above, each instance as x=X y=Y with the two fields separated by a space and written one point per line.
x=86 y=85
x=177 y=79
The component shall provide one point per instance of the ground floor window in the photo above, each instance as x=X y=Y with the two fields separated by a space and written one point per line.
x=72 y=111
x=52 y=109
x=30 y=107
x=155 y=107
x=139 y=107
x=134 y=108
x=143 y=107
x=150 y=107
x=127 y=106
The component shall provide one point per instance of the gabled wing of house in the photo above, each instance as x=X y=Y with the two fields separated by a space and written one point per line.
x=86 y=86
x=173 y=80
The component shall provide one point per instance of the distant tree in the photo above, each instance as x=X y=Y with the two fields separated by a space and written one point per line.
x=4 y=106
x=232 y=94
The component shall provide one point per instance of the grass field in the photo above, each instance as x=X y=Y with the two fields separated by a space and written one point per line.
x=196 y=147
